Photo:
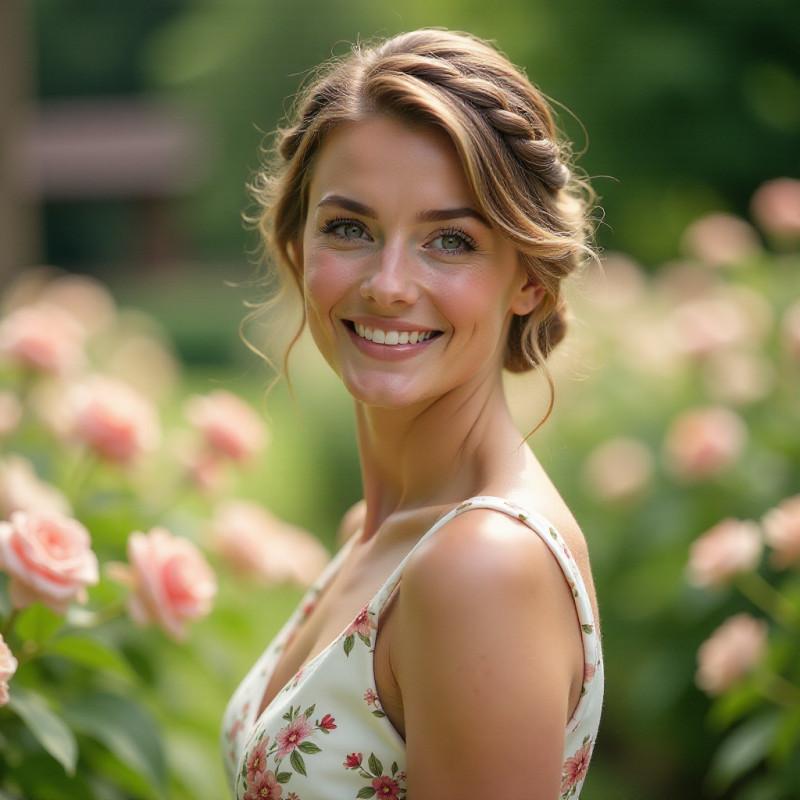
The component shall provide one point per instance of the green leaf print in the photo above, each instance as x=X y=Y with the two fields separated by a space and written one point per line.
x=348 y=644
x=283 y=777
x=378 y=714
x=375 y=766
x=367 y=791
x=309 y=711
x=296 y=760
x=394 y=768
x=587 y=628
x=364 y=639
x=309 y=747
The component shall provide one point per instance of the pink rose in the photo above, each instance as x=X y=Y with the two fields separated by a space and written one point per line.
x=260 y=545
x=721 y=240
x=21 y=490
x=42 y=337
x=782 y=532
x=776 y=207
x=229 y=426
x=49 y=559
x=112 y=419
x=171 y=581
x=703 y=442
x=730 y=547
x=618 y=470
x=732 y=651
x=8 y=664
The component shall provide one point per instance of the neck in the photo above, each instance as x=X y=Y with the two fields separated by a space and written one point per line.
x=437 y=454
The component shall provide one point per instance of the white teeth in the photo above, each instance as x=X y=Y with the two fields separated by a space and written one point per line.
x=391 y=338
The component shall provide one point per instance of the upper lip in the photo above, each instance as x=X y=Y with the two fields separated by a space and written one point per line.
x=388 y=324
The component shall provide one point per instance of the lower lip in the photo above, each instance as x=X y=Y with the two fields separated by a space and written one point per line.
x=391 y=352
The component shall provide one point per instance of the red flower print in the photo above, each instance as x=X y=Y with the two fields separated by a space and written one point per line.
x=371 y=697
x=265 y=787
x=289 y=737
x=362 y=624
x=588 y=672
x=257 y=760
x=353 y=761
x=328 y=723
x=385 y=787
x=575 y=768
x=236 y=728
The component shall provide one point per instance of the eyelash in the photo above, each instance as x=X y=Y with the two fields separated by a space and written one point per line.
x=330 y=226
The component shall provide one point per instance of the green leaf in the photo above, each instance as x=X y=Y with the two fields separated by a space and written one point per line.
x=125 y=728
x=37 y=622
x=309 y=711
x=378 y=714
x=367 y=791
x=394 y=768
x=283 y=777
x=743 y=750
x=297 y=762
x=348 y=644
x=309 y=747
x=375 y=766
x=364 y=639
x=90 y=652
x=587 y=628
x=49 y=729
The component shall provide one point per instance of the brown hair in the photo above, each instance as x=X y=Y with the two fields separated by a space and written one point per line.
x=505 y=136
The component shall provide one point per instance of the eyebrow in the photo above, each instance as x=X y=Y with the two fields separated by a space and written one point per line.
x=434 y=215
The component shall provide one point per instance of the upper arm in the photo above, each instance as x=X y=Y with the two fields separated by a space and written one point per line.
x=486 y=650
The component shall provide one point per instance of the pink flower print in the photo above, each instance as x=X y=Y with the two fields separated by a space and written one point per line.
x=362 y=624
x=588 y=672
x=353 y=761
x=386 y=787
x=257 y=760
x=236 y=729
x=293 y=796
x=371 y=697
x=292 y=735
x=264 y=787
x=575 y=768
x=328 y=723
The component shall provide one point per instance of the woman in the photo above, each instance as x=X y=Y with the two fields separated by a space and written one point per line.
x=425 y=213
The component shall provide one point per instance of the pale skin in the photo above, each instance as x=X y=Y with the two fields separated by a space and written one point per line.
x=479 y=659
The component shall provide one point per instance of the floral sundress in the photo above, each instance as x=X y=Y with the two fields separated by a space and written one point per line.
x=325 y=736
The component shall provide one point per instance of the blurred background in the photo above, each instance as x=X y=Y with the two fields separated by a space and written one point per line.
x=129 y=132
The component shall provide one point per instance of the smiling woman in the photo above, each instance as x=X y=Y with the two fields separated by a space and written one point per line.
x=424 y=210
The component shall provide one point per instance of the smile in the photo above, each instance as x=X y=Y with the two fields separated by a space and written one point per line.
x=391 y=337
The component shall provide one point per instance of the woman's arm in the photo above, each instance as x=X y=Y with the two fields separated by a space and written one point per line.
x=487 y=653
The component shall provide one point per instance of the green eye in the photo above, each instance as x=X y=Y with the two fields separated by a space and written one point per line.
x=451 y=242
x=349 y=230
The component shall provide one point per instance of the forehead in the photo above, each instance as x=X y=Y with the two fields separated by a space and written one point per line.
x=383 y=158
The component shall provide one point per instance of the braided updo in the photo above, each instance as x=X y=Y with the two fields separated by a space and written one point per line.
x=503 y=131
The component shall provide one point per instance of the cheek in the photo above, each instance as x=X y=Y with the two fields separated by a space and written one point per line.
x=322 y=285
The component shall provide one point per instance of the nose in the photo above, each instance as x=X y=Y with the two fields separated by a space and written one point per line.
x=390 y=279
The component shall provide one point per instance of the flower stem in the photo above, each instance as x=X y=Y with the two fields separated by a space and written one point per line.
x=778 y=690
x=12 y=618
x=766 y=597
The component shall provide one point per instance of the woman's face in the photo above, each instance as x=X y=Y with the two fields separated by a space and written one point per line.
x=408 y=290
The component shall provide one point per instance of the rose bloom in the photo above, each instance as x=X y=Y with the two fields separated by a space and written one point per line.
x=730 y=547
x=10 y=413
x=721 y=240
x=8 y=664
x=258 y=544
x=730 y=653
x=776 y=207
x=739 y=377
x=85 y=298
x=49 y=559
x=227 y=423
x=703 y=442
x=42 y=337
x=22 y=490
x=171 y=581
x=782 y=532
x=618 y=470
x=112 y=419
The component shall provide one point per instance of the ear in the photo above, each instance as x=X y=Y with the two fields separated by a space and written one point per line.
x=527 y=297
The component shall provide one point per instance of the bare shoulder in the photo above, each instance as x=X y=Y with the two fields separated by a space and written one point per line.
x=486 y=555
